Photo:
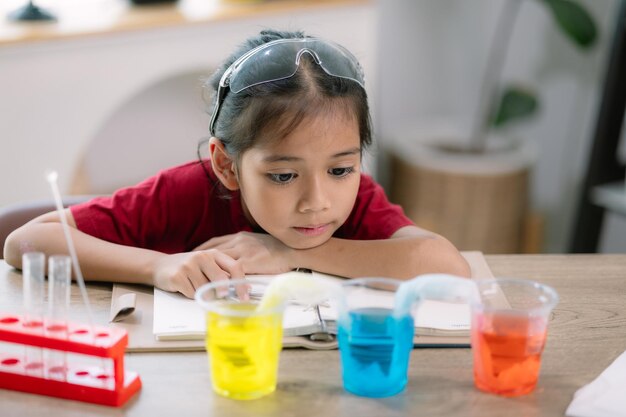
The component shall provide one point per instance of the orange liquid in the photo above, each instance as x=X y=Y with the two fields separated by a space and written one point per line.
x=507 y=353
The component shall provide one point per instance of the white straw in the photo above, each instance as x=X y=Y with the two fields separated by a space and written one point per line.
x=52 y=176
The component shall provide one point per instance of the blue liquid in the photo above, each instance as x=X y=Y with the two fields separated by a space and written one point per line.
x=375 y=349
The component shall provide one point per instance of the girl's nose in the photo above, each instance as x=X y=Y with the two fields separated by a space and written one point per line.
x=314 y=196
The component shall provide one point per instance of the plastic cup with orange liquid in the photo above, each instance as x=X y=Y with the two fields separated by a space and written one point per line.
x=509 y=329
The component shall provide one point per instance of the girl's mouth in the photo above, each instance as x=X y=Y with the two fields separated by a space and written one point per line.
x=316 y=230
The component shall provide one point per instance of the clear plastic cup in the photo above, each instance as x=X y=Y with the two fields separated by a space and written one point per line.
x=375 y=344
x=509 y=328
x=243 y=342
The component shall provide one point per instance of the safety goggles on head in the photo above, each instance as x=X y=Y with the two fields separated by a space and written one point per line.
x=278 y=60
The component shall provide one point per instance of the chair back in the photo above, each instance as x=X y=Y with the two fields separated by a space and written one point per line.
x=16 y=215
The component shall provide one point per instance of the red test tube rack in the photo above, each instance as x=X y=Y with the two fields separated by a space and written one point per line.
x=92 y=384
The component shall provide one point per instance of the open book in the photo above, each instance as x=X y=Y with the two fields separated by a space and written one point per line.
x=179 y=318
x=437 y=323
x=166 y=321
x=176 y=317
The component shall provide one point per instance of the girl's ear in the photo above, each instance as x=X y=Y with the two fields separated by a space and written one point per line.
x=223 y=164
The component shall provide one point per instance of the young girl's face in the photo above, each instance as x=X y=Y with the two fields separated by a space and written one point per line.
x=302 y=189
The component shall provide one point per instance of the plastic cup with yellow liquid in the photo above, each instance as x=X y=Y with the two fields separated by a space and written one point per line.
x=244 y=329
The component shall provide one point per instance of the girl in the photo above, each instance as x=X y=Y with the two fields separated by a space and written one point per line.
x=282 y=188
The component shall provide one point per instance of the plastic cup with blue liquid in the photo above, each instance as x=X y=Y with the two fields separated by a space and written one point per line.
x=374 y=344
x=376 y=328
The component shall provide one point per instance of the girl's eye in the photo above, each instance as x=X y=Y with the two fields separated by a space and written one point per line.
x=284 y=178
x=341 y=172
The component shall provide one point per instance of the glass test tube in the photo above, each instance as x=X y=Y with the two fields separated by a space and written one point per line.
x=33 y=265
x=59 y=279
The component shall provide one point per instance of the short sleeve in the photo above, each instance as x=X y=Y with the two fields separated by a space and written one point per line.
x=160 y=213
x=373 y=216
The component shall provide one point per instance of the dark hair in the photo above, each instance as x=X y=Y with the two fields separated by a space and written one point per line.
x=280 y=106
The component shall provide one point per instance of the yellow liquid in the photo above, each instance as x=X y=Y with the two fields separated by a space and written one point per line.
x=244 y=351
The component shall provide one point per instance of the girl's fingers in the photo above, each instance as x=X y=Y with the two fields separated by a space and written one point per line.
x=243 y=292
x=214 y=272
x=235 y=270
x=186 y=288
x=197 y=277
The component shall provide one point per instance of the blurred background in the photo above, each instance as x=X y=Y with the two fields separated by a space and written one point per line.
x=498 y=122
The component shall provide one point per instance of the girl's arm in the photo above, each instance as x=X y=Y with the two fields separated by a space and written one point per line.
x=99 y=260
x=409 y=252
x=105 y=261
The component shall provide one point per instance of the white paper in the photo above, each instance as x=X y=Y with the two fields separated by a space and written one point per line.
x=604 y=396
x=178 y=317
x=438 y=315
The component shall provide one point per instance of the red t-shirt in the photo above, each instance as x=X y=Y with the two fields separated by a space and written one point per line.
x=181 y=208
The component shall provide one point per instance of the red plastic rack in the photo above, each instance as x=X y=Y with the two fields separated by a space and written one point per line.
x=93 y=384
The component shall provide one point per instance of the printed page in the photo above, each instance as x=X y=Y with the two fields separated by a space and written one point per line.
x=431 y=316
x=177 y=317
x=437 y=317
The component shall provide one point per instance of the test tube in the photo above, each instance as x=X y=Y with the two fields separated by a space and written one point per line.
x=33 y=265
x=59 y=278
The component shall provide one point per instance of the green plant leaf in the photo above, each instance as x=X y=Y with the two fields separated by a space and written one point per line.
x=574 y=21
x=516 y=103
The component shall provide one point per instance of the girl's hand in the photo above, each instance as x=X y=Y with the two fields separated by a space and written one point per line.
x=257 y=253
x=186 y=272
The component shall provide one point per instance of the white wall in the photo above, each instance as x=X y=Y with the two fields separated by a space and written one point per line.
x=432 y=57
x=56 y=96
